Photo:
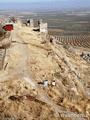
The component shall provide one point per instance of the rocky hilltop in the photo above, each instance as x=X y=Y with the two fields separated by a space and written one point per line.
x=29 y=63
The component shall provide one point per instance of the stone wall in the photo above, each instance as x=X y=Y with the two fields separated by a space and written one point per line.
x=44 y=31
x=2 y=57
x=43 y=27
x=31 y=23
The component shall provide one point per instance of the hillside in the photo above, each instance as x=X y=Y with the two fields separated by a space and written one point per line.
x=30 y=62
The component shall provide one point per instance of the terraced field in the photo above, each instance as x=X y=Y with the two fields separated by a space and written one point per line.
x=82 y=41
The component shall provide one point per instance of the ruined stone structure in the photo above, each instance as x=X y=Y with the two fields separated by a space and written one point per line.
x=2 y=57
x=28 y=22
x=43 y=27
x=52 y=40
x=41 y=21
x=85 y=56
x=31 y=23
x=44 y=31
x=69 y=48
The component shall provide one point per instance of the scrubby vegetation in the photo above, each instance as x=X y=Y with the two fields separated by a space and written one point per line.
x=2 y=31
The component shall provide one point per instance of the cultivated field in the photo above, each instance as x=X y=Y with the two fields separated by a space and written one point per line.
x=67 y=22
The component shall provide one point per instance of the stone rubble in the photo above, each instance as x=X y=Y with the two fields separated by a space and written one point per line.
x=85 y=56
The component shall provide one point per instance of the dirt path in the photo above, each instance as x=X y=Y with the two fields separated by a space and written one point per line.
x=21 y=69
x=23 y=62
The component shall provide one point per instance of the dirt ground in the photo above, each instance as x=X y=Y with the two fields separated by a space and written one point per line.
x=29 y=62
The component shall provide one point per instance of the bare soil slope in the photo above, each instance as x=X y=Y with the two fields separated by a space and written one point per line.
x=30 y=62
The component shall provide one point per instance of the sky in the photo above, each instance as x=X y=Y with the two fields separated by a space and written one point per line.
x=64 y=1
x=24 y=0
x=33 y=0
x=48 y=4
